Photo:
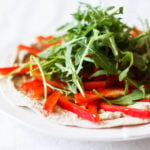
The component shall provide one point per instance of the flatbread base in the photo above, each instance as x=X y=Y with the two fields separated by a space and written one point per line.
x=62 y=116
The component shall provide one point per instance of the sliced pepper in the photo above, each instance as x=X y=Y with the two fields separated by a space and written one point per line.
x=37 y=92
x=145 y=100
x=94 y=85
x=41 y=40
x=136 y=32
x=51 y=101
x=92 y=107
x=91 y=96
x=31 y=50
x=7 y=70
x=134 y=112
x=81 y=112
x=29 y=84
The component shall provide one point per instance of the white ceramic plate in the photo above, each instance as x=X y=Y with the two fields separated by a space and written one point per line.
x=33 y=120
x=39 y=123
x=36 y=122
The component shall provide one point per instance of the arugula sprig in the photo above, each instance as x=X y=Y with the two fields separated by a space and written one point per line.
x=98 y=37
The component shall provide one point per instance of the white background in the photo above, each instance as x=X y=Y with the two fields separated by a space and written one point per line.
x=24 y=19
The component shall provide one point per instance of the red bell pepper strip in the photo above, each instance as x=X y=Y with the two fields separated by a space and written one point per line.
x=27 y=85
x=7 y=70
x=33 y=51
x=134 y=112
x=94 y=85
x=92 y=107
x=91 y=96
x=54 y=83
x=81 y=112
x=41 y=39
x=145 y=100
x=136 y=33
x=51 y=101
x=37 y=92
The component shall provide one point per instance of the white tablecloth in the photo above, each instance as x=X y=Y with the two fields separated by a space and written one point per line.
x=20 y=20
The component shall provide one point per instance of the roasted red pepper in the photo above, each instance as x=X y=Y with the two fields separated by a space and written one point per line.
x=134 y=112
x=94 y=85
x=51 y=101
x=31 y=50
x=29 y=84
x=37 y=92
x=81 y=112
x=91 y=96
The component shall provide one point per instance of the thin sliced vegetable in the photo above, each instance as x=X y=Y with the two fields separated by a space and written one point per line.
x=92 y=107
x=38 y=92
x=8 y=70
x=51 y=101
x=135 y=32
x=145 y=100
x=33 y=51
x=134 y=112
x=94 y=85
x=106 y=93
x=34 y=83
x=42 y=39
x=83 y=113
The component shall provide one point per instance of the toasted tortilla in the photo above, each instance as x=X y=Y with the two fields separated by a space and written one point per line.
x=64 y=117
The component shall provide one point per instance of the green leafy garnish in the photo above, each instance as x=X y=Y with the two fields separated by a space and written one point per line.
x=128 y=99
x=97 y=38
x=100 y=34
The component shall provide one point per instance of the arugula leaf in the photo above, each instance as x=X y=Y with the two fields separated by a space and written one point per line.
x=46 y=54
x=139 y=62
x=63 y=26
x=85 y=52
x=129 y=99
x=71 y=70
x=101 y=60
x=78 y=55
x=98 y=73
x=128 y=57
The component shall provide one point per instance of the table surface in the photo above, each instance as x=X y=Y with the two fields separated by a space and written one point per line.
x=21 y=20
